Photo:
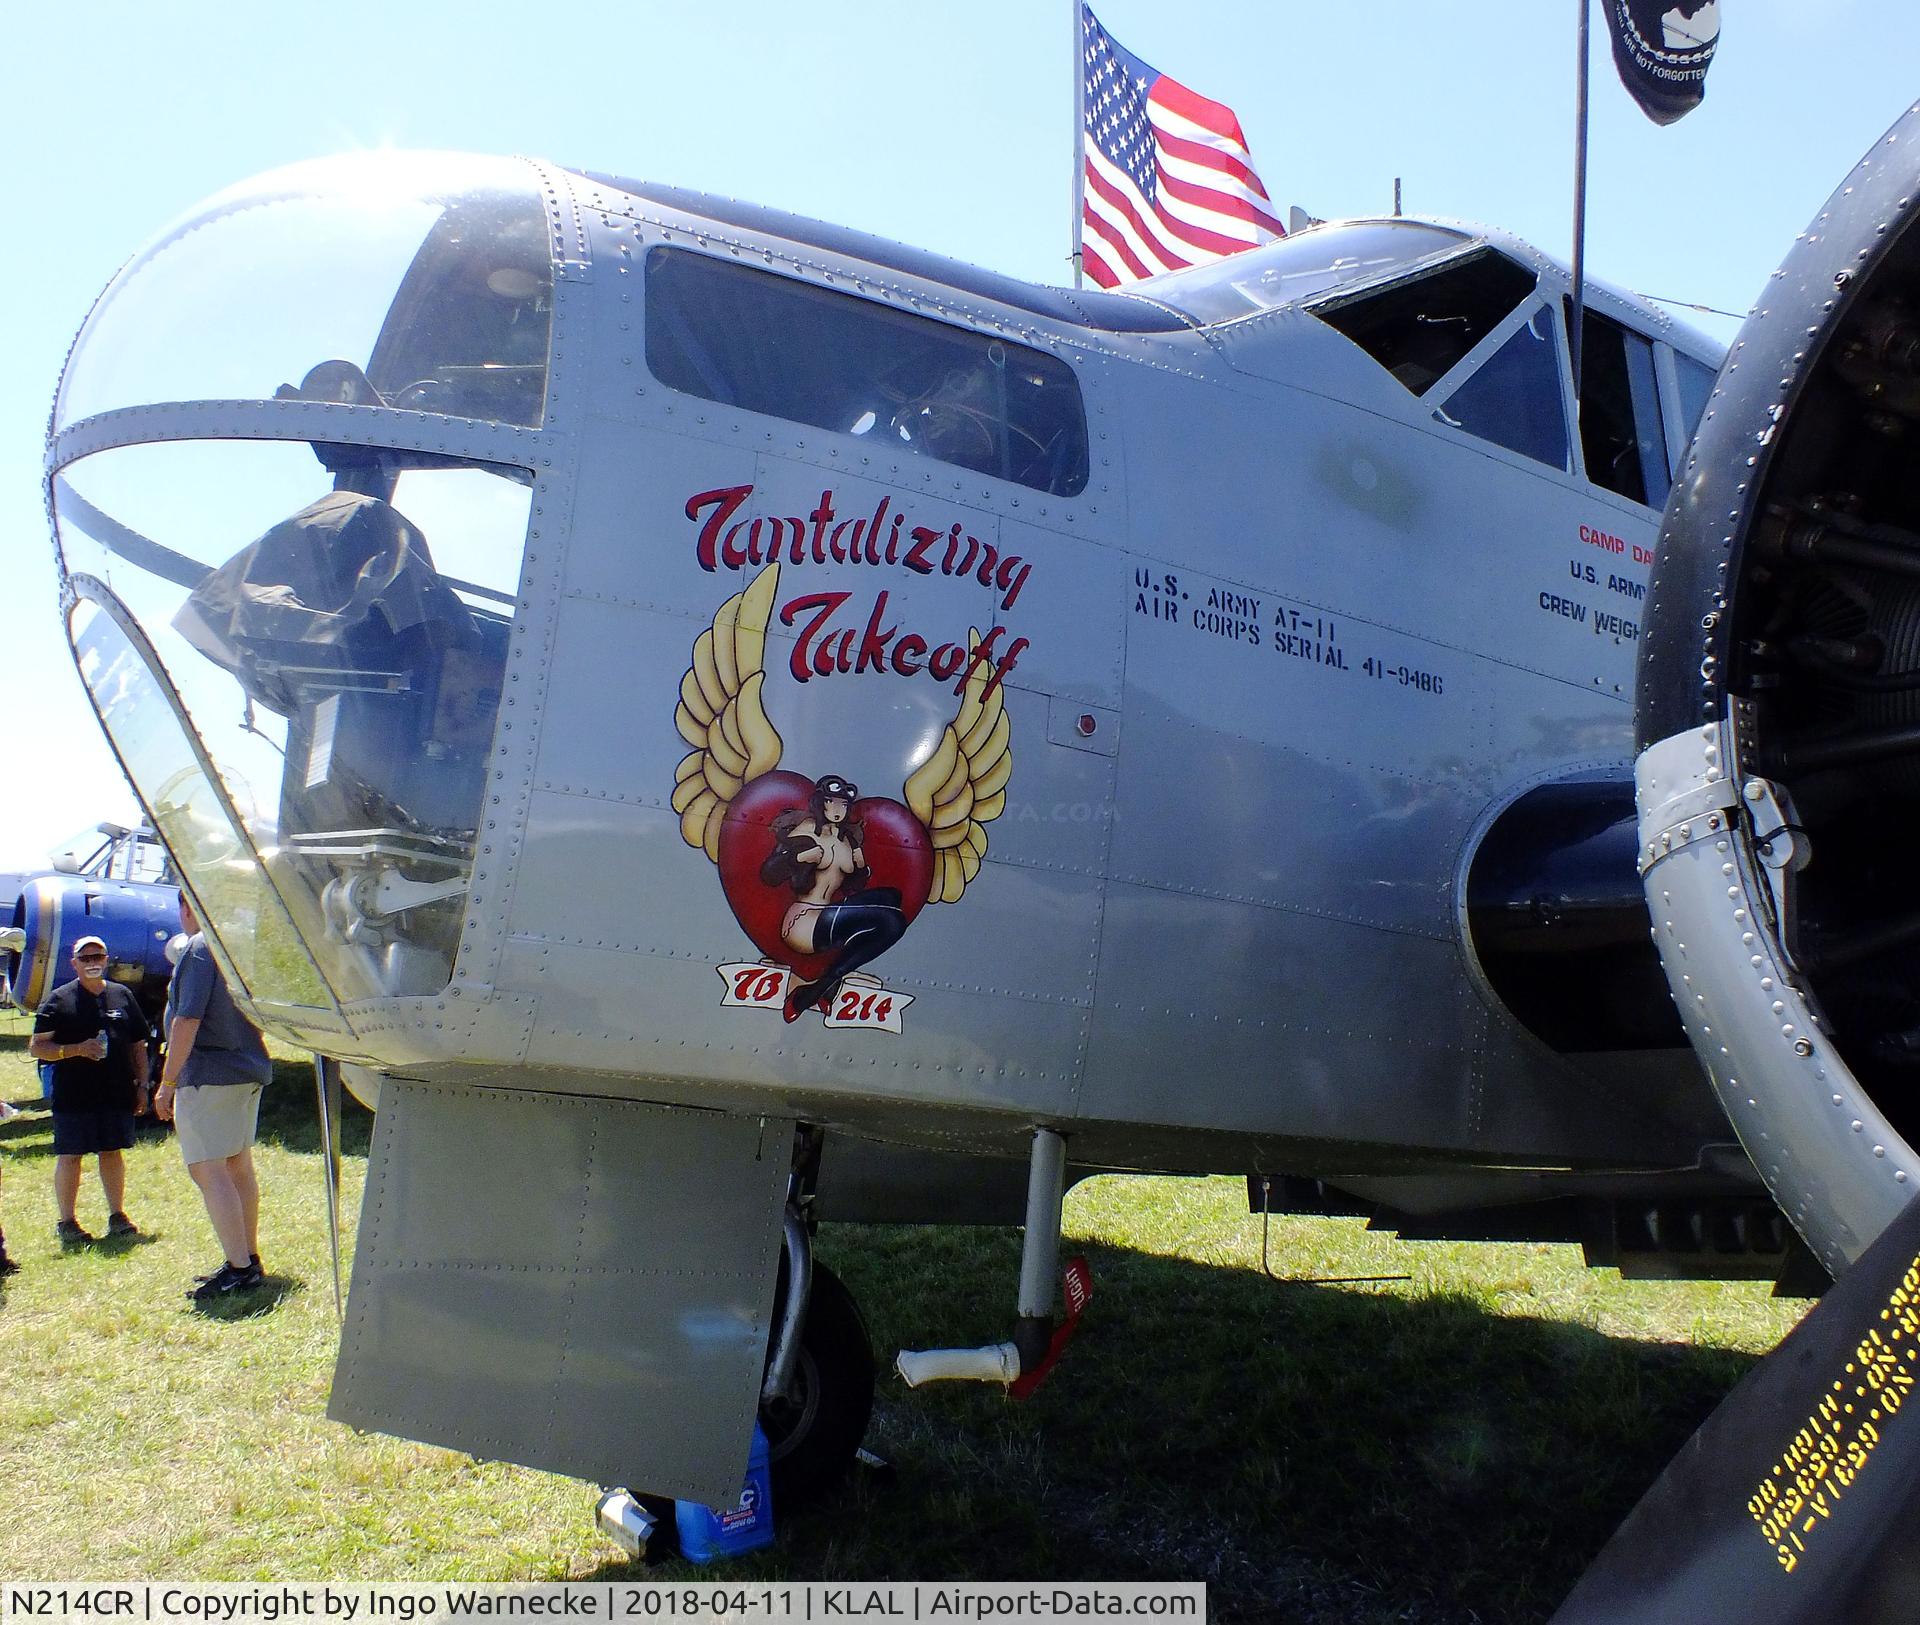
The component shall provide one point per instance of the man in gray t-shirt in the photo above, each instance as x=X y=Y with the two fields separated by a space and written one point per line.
x=210 y=1086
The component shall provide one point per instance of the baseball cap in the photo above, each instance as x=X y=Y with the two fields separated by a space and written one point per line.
x=90 y=942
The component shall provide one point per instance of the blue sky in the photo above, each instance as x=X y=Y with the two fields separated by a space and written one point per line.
x=948 y=126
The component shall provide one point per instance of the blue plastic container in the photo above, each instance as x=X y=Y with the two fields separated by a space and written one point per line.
x=710 y=1532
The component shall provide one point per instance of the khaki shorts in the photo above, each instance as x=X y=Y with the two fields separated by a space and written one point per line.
x=216 y=1120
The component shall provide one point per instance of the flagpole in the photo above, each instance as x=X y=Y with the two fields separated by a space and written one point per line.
x=1579 y=201
x=1079 y=125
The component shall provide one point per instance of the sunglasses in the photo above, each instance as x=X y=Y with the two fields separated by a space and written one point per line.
x=91 y=959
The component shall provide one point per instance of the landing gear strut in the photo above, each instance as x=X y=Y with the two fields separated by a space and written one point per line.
x=1035 y=1345
x=815 y=1424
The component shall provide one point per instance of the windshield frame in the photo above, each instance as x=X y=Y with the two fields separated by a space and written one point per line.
x=1199 y=291
x=329 y=1019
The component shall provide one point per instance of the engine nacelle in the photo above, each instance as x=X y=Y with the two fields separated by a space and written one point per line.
x=1778 y=718
x=134 y=918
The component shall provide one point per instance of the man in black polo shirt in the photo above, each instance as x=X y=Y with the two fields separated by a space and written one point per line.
x=92 y=1031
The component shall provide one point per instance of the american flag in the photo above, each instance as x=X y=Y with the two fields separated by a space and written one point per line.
x=1168 y=178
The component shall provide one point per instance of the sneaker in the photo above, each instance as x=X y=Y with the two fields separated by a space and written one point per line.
x=7 y=1266
x=226 y=1281
x=118 y=1224
x=253 y=1259
x=71 y=1235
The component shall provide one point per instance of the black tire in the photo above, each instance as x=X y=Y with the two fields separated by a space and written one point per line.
x=813 y=1434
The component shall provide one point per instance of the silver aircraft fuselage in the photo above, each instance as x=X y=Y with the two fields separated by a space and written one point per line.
x=722 y=662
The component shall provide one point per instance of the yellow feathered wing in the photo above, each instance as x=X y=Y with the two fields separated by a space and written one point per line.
x=960 y=789
x=720 y=714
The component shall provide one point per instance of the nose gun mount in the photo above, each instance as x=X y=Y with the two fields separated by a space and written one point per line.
x=379 y=905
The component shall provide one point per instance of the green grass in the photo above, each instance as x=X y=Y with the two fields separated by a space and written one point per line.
x=1454 y=1447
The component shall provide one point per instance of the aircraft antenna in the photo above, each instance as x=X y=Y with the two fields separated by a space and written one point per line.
x=1266 y=1220
x=1396 y=197
x=1579 y=198
x=1689 y=304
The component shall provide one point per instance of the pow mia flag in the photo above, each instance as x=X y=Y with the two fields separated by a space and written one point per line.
x=1662 y=49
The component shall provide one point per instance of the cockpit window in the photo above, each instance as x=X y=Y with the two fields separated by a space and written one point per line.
x=417 y=280
x=1696 y=389
x=773 y=344
x=113 y=852
x=1421 y=326
x=1298 y=267
x=1622 y=436
x=1514 y=398
x=337 y=650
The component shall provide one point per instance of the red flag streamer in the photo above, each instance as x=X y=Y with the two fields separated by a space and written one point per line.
x=1076 y=1287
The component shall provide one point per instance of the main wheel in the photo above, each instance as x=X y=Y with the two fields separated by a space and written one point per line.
x=812 y=1434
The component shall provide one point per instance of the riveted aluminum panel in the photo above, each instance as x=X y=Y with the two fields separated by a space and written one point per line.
x=582 y=1286
x=953 y=1052
x=1059 y=796
x=614 y=682
x=654 y=893
x=1117 y=311
x=626 y=973
x=1073 y=606
x=658 y=895
x=1223 y=1014
x=1363 y=516
x=630 y=525
x=1544 y=730
x=1353 y=836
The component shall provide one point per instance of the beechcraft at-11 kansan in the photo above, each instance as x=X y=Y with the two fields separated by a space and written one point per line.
x=719 y=723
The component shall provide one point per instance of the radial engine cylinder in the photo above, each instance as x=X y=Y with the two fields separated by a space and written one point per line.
x=1778 y=718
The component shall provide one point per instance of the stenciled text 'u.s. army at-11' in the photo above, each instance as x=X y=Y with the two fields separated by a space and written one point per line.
x=718 y=723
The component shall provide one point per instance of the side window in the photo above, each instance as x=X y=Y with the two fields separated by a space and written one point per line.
x=1514 y=397
x=1419 y=329
x=1696 y=388
x=773 y=344
x=148 y=862
x=1621 y=434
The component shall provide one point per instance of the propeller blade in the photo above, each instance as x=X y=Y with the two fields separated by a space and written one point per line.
x=1799 y=1498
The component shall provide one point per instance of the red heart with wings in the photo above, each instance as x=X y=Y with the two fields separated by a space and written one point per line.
x=895 y=846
